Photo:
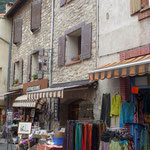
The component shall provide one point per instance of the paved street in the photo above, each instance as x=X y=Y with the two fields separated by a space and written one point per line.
x=10 y=147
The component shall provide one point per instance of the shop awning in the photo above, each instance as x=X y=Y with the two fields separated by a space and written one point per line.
x=22 y=101
x=58 y=90
x=2 y=96
x=25 y=104
x=130 y=67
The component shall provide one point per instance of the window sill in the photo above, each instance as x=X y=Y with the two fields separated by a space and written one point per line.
x=144 y=13
x=15 y=85
x=74 y=62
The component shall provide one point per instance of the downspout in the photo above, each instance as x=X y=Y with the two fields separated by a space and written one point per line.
x=51 y=46
x=97 y=22
x=9 y=59
x=51 y=58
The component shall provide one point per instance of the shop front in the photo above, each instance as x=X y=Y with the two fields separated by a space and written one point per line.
x=126 y=108
x=30 y=110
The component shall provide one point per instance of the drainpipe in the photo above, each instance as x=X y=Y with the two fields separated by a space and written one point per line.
x=9 y=59
x=97 y=24
x=51 y=58
x=51 y=46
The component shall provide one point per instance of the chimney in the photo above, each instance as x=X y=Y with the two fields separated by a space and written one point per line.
x=8 y=6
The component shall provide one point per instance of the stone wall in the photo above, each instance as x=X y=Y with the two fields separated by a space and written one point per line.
x=67 y=17
x=30 y=41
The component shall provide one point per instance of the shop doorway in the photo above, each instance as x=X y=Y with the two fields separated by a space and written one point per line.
x=76 y=110
x=141 y=129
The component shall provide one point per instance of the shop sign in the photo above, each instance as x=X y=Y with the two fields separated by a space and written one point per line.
x=33 y=88
x=24 y=128
x=9 y=118
x=56 y=109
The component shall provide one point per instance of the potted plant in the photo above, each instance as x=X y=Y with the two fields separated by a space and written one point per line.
x=16 y=81
x=34 y=76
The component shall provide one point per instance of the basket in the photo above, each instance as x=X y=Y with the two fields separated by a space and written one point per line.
x=58 y=141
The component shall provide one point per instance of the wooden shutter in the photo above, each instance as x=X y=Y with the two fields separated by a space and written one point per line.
x=35 y=15
x=86 y=41
x=17 y=38
x=13 y=73
x=62 y=2
x=68 y=1
x=29 y=65
x=21 y=71
x=135 y=6
x=61 y=50
x=40 y=73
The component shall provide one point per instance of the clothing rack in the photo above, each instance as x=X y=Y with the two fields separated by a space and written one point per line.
x=82 y=122
x=85 y=121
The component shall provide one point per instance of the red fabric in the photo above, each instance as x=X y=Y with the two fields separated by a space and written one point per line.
x=90 y=136
x=85 y=136
x=135 y=90
x=48 y=147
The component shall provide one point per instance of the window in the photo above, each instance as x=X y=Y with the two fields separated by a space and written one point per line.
x=17 y=72
x=73 y=46
x=35 y=66
x=35 y=15
x=142 y=7
x=76 y=45
x=17 y=31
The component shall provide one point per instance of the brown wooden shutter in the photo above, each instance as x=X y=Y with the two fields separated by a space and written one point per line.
x=36 y=15
x=13 y=73
x=29 y=65
x=86 y=41
x=135 y=6
x=17 y=38
x=61 y=50
x=68 y=1
x=21 y=71
x=62 y=2
x=40 y=73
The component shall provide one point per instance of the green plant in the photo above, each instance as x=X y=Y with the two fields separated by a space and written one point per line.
x=16 y=81
x=34 y=76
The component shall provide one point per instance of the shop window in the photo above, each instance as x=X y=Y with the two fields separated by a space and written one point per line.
x=73 y=46
x=35 y=66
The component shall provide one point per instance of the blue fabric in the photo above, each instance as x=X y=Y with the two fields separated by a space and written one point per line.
x=127 y=113
x=77 y=138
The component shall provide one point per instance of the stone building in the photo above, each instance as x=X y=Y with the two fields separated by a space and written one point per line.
x=73 y=50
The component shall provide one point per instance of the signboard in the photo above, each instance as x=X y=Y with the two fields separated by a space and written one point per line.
x=56 y=109
x=24 y=127
x=33 y=88
x=9 y=118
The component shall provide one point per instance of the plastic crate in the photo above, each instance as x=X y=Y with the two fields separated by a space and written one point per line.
x=58 y=141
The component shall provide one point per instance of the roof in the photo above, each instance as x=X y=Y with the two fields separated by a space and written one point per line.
x=17 y=5
x=130 y=67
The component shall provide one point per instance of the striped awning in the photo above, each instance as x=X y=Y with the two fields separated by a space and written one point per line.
x=23 y=101
x=25 y=104
x=130 y=67
x=58 y=92
x=46 y=93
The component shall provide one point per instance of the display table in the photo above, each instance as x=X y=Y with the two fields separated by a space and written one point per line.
x=48 y=147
